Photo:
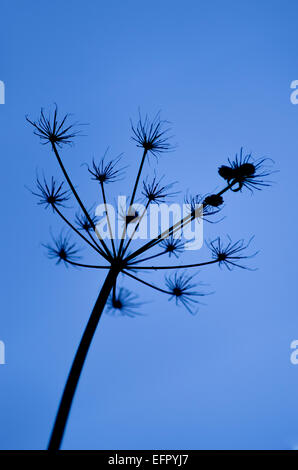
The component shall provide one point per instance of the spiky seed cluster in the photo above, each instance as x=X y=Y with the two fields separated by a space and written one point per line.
x=129 y=217
x=172 y=246
x=213 y=200
x=51 y=194
x=155 y=192
x=194 y=203
x=83 y=222
x=123 y=302
x=183 y=290
x=63 y=250
x=132 y=217
x=50 y=130
x=230 y=254
x=151 y=135
x=246 y=172
x=106 y=172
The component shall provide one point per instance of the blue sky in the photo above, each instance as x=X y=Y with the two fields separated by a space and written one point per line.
x=221 y=73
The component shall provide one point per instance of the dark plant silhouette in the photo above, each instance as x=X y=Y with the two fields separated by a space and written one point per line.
x=152 y=136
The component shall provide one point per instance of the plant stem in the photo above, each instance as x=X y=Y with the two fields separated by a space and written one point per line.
x=138 y=177
x=81 y=265
x=136 y=228
x=171 y=229
x=108 y=254
x=133 y=198
x=148 y=257
x=183 y=266
x=78 y=363
x=146 y=283
x=77 y=231
x=108 y=217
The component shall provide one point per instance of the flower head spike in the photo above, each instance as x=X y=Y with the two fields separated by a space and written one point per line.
x=246 y=172
x=213 y=200
x=128 y=216
x=173 y=246
x=51 y=130
x=182 y=289
x=132 y=217
x=106 y=172
x=123 y=302
x=62 y=250
x=154 y=192
x=231 y=254
x=151 y=135
x=194 y=203
x=83 y=222
x=51 y=194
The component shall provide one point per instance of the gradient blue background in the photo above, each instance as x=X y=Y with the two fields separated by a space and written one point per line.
x=220 y=71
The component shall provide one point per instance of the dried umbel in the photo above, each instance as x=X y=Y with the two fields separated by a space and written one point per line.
x=154 y=191
x=203 y=206
x=52 y=131
x=117 y=257
x=172 y=246
x=153 y=136
x=246 y=172
x=106 y=171
x=184 y=290
x=124 y=303
x=51 y=194
x=213 y=200
x=230 y=254
x=63 y=249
